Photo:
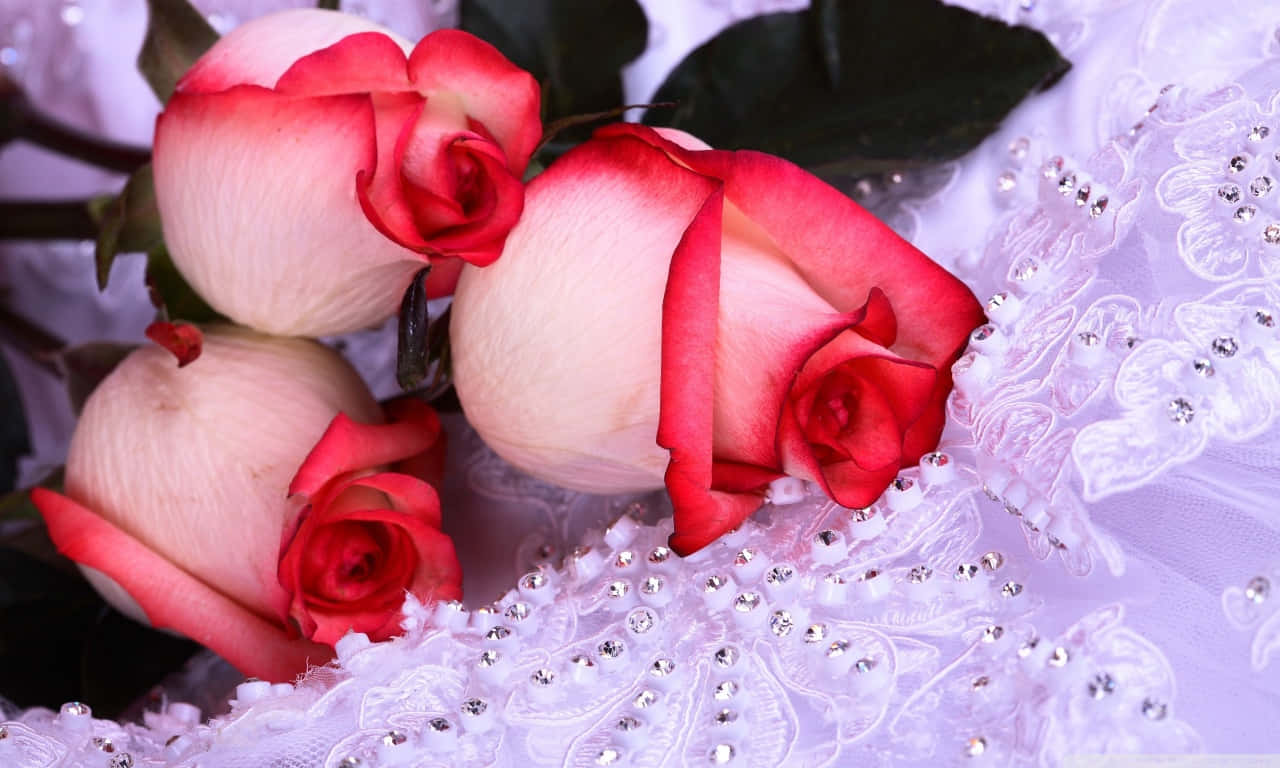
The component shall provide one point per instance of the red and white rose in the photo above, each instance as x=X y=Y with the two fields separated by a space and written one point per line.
x=257 y=500
x=709 y=319
x=311 y=162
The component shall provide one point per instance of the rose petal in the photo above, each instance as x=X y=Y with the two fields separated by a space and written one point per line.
x=495 y=92
x=366 y=62
x=348 y=446
x=172 y=598
x=227 y=184
x=182 y=340
x=259 y=51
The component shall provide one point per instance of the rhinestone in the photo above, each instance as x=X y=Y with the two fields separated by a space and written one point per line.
x=618 y=589
x=1229 y=193
x=868 y=575
x=488 y=659
x=779 y=574
x=440 y=725
x=104 y=745
x=1052 y=167
x=920 y=574
x=645 y=699
x=965 y=572
x=815 y=634
x=725 y=717
x=582 y=661
x=659 y=555
x=997 y=301
x=1099 y=207
x=1067 y=184
x=1019 y=147
x=781 y=623
x=980 y=682
x=1264 y=318
x=1025 y=270
x=1259 y=132
x=1258 y=589
x=1224 y=346
x=826 y=538
x=350 y=761
x=864 y=514
x=1059 y=657
x=76 y=708
x=1203 y=368
x=864 y=665
x=394 y=738
x=1132 y=342
x=833 y=578
x=725 y=690
x=1260 y=186
x=641 y=620
x=992 y=633
x=542 y=677
x=1244 y=214
x=837 y=649
x=1277 y=156
x=975 y=746
x=982 y=333
x=1102 y=685
x=608 y=756
x=474 y=707
x=4 y=732
x=1154 y=710
x=627 y=724
x=651 y=585
x=902 y=484
x=744 y=557
x=722 y=753
x=498 y=633
x=1088 y=338
x=1271 y=234
x=726 y=657
x=713 y=584
x=992 y=561
x=535 y=580
x=662 y=668
x=1237 y=164
x=1180 y=411
x=125 y=760
x=1011 y=589
x=1006 y=181
x=625 y=558
x=517 y=612
x=1082 y=197
x=746 y=602
x=611 y=649
x=936 y=459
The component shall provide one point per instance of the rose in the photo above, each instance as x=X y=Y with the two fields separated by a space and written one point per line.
x=306 y=168
x=245 y=500
x=711 y=319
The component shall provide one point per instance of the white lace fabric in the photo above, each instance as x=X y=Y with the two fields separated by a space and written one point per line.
x=1090 y=566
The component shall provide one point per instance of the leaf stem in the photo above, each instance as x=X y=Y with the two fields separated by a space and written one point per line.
x=46 y=220
x=22 y=120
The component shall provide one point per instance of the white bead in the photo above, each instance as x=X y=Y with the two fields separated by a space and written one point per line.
x=831 y=592
x=253 y=690
x=786 y=490
x=1036 y=513
x=1087 y=349
x=588 y=564
x=749 y=564
x=622 y=532
x=437 y=741
x=972 y=372
x=828 y=547
x=869 y=528
x=932 y=474
x=904 y=497
x=184 y=712
x=872 y=588
x=719 y=599
x=450 y=615
x=1016 y=495
x=350 y=644
x=1006 y=311
x=281 y=689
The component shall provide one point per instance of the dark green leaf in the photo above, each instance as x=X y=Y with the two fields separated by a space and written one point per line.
x=17 y=505
x=13 y=429
x=575 y=48
x=127 y=223
x=411 y=350
x=171 y=293
x=88 y=364
x=858 y=88
x=177 y=35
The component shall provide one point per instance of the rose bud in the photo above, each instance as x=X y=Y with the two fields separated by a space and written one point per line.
x=310 y=163
x=715 y=320
x=249 y=500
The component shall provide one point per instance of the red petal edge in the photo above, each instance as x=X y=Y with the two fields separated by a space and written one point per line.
x=172 y=598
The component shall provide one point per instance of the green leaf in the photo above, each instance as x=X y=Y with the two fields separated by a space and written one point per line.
x=412 y=341
x=171 y=293
x=858 y=88
x=177 y=35
x=127 y=222
x=17 y=505
x=575 y=48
